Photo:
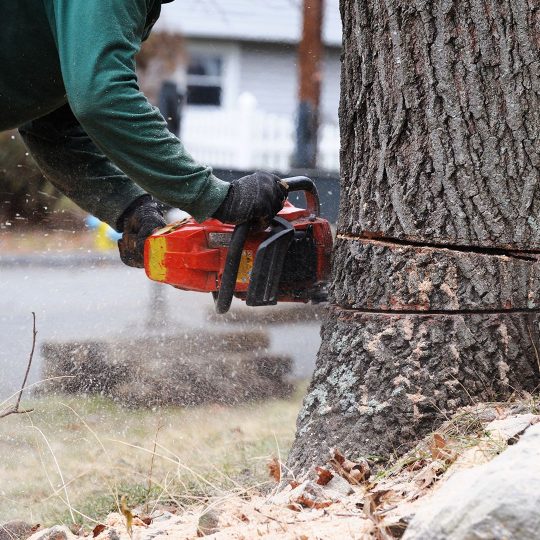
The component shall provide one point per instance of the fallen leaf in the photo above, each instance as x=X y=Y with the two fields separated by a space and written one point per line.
x=370 y=508
x=98 y=529
x=416 y=465
x=354 y=472
x=338 y=458
x=439 y=449
x=426 y=477
x=274 y=469
x=379 y=496
x=436 y=446
x=309 y=495
x=308 y=502
x=323 y=475
x=397 y=528
x=360 y=472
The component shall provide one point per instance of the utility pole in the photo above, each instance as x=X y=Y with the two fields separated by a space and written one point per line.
x=310 y=55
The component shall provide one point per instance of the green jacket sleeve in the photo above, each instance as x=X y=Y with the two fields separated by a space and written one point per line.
x=97 y=42
x=72 y=162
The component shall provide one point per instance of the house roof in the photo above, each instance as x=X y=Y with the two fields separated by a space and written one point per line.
x=272 y=21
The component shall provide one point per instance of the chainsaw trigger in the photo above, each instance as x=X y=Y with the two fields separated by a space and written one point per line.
x=268 y=266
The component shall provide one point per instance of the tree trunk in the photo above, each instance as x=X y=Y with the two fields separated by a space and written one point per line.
x=436 y=283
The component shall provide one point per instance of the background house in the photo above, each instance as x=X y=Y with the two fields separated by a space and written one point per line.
x=238 y=69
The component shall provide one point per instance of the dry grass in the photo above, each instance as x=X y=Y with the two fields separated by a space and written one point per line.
x=73 y=457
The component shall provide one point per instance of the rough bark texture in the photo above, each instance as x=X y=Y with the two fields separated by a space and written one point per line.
x=382 y=379
x=436 y=282
x=383 y=276
x=440 y=120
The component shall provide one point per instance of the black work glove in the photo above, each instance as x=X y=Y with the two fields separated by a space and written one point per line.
x=137 y=223
x=256 y=198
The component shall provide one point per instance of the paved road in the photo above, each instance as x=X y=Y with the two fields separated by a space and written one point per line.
x=76 y=301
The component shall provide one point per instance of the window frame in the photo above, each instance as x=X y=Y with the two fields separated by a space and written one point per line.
x=230 y=77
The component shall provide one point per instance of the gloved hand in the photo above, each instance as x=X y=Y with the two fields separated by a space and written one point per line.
x=256 y=198
x=137 y=223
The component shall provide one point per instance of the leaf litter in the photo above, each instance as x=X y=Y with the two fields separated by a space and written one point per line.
x=340 y=498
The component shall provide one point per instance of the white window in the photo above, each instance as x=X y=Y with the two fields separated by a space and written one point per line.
x=205 y=80
x=212 y=75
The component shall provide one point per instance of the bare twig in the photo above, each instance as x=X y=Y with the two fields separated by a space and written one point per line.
x=15 y=409
x=149 y=490
x=534 y=346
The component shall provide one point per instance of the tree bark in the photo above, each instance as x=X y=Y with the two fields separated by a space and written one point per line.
x=383 y=276
x=436 y=277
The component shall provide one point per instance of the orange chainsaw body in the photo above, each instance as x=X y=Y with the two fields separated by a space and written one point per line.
x=192 y=256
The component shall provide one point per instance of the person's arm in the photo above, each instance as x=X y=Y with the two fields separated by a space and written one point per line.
x=97 y=42
x=72 y=162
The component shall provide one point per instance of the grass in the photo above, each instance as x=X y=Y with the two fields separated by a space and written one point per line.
x=72 y=458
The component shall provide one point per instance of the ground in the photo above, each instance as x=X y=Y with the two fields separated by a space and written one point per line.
x=81 y=452
x=219 y=471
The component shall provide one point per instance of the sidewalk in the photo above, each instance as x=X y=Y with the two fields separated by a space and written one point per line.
x=71 y=259
x=52 y=249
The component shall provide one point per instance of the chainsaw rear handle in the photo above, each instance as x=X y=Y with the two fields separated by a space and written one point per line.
x=224 y=296
x=305 y=184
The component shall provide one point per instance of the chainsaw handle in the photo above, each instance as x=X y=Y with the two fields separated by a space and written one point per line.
x=305 y=184
x=223 y=297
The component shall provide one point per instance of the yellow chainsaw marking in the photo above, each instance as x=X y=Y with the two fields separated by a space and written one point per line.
x=246 y=265
x=156 y=267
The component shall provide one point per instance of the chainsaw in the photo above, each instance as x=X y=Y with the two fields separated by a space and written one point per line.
x=289 y=261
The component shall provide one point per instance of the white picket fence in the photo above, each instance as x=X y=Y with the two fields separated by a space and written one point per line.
x=247 y=138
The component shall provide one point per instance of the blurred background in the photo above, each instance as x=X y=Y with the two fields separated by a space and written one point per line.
x=122 y=363
x=230 y=78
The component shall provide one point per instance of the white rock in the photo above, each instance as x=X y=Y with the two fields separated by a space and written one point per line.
x=499 y=500
x=509 y=427
x=338 y=487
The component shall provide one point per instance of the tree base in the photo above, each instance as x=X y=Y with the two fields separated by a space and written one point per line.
x=384 y=380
